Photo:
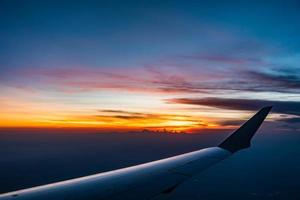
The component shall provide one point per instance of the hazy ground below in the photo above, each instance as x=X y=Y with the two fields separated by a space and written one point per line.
x=269 y=170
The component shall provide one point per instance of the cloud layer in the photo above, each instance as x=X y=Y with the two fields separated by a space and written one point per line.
x=283 y=107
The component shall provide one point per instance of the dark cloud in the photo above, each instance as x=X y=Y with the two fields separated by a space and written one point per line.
x=232 y=79
x=284 y=107
x=294 y=120
x=228 y=59
x=128 y=115
x=120 y=112
x=125 y=117
x=231 y=122
x=279 y=80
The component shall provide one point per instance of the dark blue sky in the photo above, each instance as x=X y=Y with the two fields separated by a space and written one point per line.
x=118 y=33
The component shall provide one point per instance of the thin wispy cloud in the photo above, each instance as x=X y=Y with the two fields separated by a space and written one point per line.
x=158 y=79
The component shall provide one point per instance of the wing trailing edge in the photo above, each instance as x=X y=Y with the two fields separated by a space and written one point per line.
x=241 y=138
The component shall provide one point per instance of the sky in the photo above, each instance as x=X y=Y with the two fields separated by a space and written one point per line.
x=181 y=66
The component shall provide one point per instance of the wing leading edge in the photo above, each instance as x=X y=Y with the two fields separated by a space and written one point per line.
x=146 y=181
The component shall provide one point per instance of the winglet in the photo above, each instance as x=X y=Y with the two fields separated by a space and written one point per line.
x=241 y=138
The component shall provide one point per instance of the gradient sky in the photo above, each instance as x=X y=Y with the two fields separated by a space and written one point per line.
x=131 y=65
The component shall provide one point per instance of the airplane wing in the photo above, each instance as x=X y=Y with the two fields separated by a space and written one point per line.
x=145 y=181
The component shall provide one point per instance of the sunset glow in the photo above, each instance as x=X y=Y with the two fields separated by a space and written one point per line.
x=172 y=68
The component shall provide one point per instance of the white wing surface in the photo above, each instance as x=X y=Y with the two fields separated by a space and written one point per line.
x=145 y=181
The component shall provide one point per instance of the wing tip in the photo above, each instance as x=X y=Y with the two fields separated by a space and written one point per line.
x=241 y=138
x=267 y=108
